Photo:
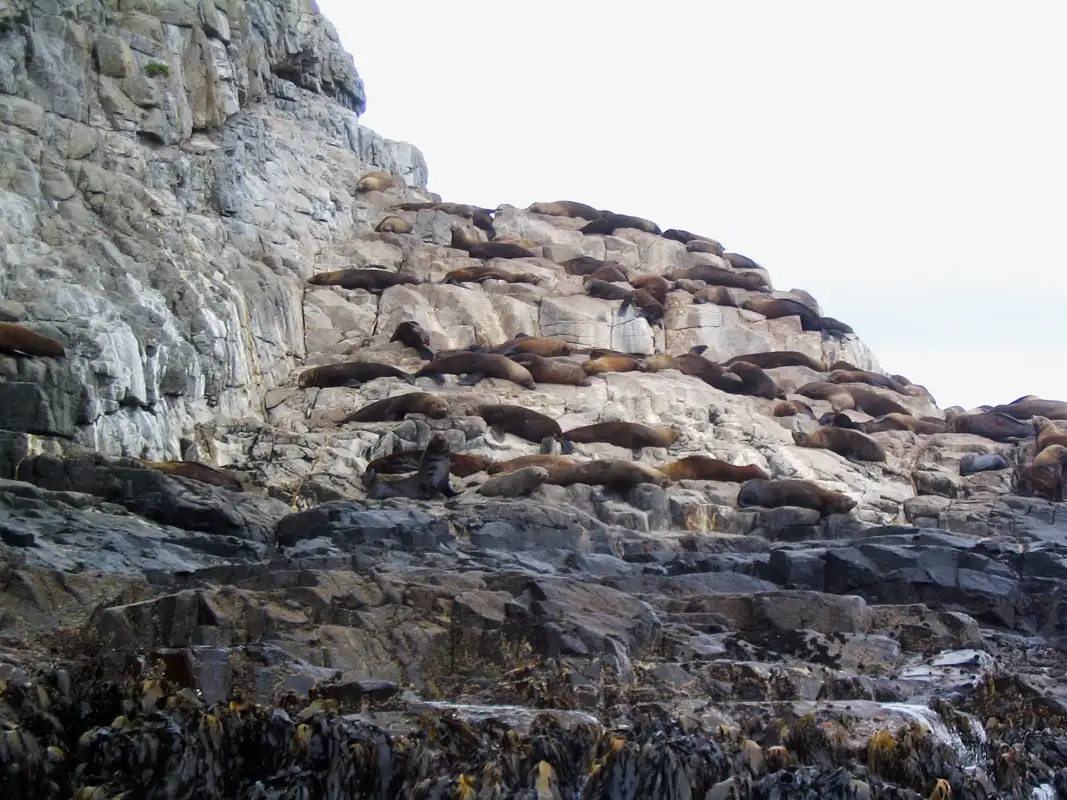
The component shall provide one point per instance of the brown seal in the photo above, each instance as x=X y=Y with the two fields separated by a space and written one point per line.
x=779 y=358
x=704 y=246
x=462 y=465
x=549 y=462
x=659 y=362
x=1048 y=433
x=992 y=425
x=350 y=373
x=411 y=334
x=514 y=484
x=196 y=471
x=1046 y=472
x=395 y=408
x=394 y=224
x=804 y=494
x=610 y=362
x=864 y=376
x=609 y=223
x=565 y=208
x=533 y=426
x=688 y=237
x=609 y=473
x=754 y=381
x=694 y=364
x=835 y=394
x=552 y=370
x=738 y=261
x=718 y=276
x=655 y=285
x=586 y=265
x=848 y=443
x=371 y=280
x=834 y=327
x=612 y=273
x=458 y=209
x=1028 y=406
x=487 y=250
x=608 y=291
x=790 y=408
x=718 y=295
x=776 y=308
x=888 y=422
x=705 y=468
x=431 y=480
x=485 y=273
x=544 y=346
x=873 y=403
x=477 y=366
x=632 y=435
x=375 y=181
x=19 y=339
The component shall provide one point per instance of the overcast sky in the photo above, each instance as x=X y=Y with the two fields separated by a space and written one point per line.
x=904 y=162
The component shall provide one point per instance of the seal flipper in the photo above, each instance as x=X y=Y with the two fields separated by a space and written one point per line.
x=409 y=378
x=448 y=491
x=436 y=377
x=352 y=383
x=627 y=303
x=426 y=352
x=472 y=378
x=566 y=447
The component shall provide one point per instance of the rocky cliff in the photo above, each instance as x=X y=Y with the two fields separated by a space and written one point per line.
x=173 y=176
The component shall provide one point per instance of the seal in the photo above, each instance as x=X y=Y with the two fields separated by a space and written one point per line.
x=514 y=484
x=1026 y=407
x=873 y=403
x=804 y=494
x=632 y=435
x=371 y=280
x=533 y=426
x=658 y=363
x=462 y=465
x=1048 y=433
x=394 y=224
x=431 y=480
x=350 y=373
x=411 y=334
x=777 y=307
x=610 y=362
x=552 y=370
x=834 y=393
x=544 y=346
x=704 y=246
x=685 y=237
x=973 y=463
x=890 y=422
x=754 y=381
x=649 y=307
x=618 y=475
x=565 y=208
x=718 y=295
x=779 y=358
x=487 y=250
x=395 y=408
x=655 y=285
x=992 y=425
x=196 y=471
x=738 y=261
x=457 y=209
x=851 y=444
x=549 y=462
x=375 y=181
x=485 y=273
x=609 y=223
x=705 y=468
x=694 y=364
x=1046 y=472
x=790 y=408
x=863 y=376
x=718 y=276
x=20 y=340
x=612 y=273
x=608 y=291
x=834 y=327
x=477 y=367
x=585 y=265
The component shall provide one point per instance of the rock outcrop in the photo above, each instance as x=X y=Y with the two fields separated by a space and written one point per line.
x=202 y=599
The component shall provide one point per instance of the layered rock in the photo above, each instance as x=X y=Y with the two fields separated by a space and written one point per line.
x=173 y=173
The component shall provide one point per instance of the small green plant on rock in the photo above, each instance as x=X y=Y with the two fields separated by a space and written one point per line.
x=156 y=69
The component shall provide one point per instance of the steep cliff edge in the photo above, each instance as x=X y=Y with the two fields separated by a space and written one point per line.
x=172 y=172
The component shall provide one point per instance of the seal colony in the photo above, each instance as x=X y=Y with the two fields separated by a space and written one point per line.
x=822 y=402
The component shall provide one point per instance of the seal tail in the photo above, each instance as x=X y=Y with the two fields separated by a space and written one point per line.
x=436 y=377
x=409 y=378
x=426 y=352
x=471 y=379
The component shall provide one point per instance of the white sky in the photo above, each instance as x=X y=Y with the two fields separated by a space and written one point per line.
x=904 y=162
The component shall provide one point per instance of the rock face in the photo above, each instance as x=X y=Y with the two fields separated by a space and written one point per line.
x=171 y=175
